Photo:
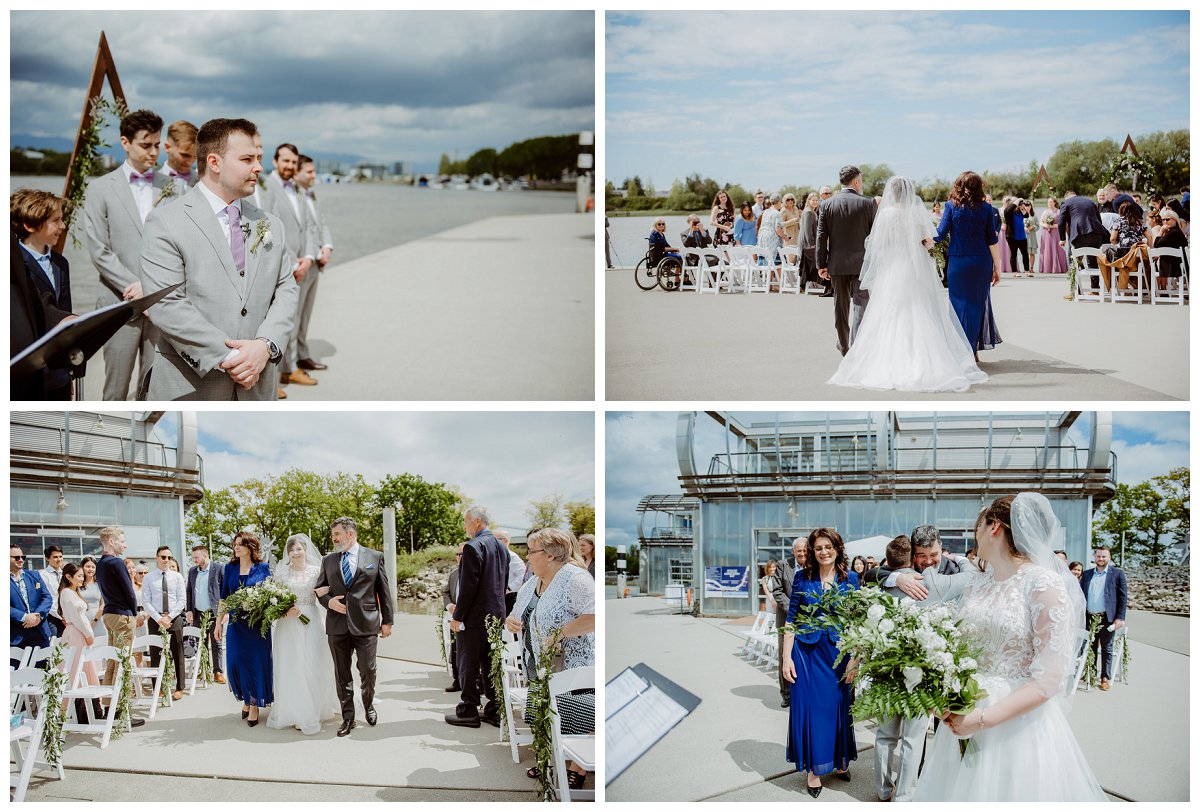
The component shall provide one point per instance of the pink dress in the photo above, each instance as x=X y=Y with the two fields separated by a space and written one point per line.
x=74 y=613
x=1052 y=258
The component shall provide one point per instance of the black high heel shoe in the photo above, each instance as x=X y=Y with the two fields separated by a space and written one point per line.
x=251 y=722
x=844 y=775
x=813 y=791
x=245 y=712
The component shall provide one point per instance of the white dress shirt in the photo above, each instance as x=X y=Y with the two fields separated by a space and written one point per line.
x=43 y=262
x=52 y=579
x=218 y=208
x=152 y=593
x=516 y=571
x=143 y=192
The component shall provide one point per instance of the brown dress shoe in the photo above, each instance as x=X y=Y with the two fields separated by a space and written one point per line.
x=298 y=376
x=1103 y=685
x=310 y=364
x=219 y=678
x=178 y=695
x=280 y=393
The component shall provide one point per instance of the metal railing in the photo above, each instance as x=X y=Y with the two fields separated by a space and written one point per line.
x=861 y=461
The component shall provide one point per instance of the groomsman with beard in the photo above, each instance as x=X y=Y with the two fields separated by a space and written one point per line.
x=232 y=316
x=319 y=235
x=1106 y=592
x=177 y=172
x=284 y=201
x=115 y=211
x=843 y=223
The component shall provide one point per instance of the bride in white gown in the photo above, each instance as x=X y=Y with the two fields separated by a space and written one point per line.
x=1025 y=613
x=303 y=666
x=909 y=338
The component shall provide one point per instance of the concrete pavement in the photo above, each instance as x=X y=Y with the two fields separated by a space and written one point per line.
x=502 y=309
x=732 y=747
x=200 y=748
x=689 y=346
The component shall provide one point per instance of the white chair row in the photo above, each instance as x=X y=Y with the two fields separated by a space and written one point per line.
x=25 y=739
x=1088 y=273
x=579 y=748
x=741 y=269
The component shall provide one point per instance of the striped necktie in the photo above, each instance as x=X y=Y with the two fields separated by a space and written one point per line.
x=346 y=567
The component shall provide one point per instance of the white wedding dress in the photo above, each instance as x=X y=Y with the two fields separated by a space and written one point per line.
x=909 y=338
x=1022 y=625
x=303 y=667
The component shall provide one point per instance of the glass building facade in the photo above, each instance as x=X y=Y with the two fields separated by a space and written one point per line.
x=73 y=473
x=885 y=474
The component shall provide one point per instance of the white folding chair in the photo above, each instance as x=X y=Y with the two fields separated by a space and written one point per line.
x=762 y=268
x=1086 y=272
x=689 y=278
x=38 y=655
x=789 y=270
x=760 y=620
x=738 y=273
x=1179 y=293
x=25 y=739
x=1119 y=639
x=1137 y=284
x=21 y=655
x=764 y=639
x=154 y=673
x=99 y=657
x=516 y=694
x=191 y=665
x=578 y=748
x=713 y=271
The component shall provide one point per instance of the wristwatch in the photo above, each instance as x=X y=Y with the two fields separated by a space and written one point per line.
x=276 y=355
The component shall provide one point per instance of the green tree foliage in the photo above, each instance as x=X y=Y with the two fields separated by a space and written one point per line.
x=1170 y=155
x=431 y=512
x=633 y=186
x=875 y=177
x=213 y=521
x=546 y=512
x=54 y=162
x=1080 y=166
x=1149 y=516
x=581 y=517
x=545 y=157
x=484 y=160
x=632 y=560
x=1176 y=488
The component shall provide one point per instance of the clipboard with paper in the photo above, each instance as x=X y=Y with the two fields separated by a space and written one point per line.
x=640 y=707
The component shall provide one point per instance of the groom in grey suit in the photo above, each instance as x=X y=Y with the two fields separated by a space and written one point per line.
x=843 y=223
x=223 y=330
x=115 y=211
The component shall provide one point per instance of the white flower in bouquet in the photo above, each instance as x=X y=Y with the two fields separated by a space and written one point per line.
x=912 y=677
x=875 y=614
x=886 y=626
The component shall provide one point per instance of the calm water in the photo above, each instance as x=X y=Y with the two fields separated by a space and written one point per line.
x=364 y=218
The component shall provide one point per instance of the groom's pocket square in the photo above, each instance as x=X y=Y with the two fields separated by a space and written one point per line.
x=370 y=566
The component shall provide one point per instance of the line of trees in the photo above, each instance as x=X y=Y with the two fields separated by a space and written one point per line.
x=554 y=511
x=545 y=157
x=632 y=560
x=1149 y=516
x=53 y=162
x=1081 y=166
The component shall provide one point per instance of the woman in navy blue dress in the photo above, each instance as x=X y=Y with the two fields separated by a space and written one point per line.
x=973 y=260
x=247 y=653
x=820 y=730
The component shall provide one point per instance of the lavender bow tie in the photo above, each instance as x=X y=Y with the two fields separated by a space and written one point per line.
x=175 y=174
x=287 y=184
x=134 y=177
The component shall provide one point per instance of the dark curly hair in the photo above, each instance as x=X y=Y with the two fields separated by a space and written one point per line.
x=968 y=190
x=251 y=542
x=812 y=570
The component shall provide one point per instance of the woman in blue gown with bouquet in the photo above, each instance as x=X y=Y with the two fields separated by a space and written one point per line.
x=820 y=730
x=972 y=261
x=247 y=653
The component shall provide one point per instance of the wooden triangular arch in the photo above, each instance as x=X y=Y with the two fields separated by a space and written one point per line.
x=1042 y=175
x=104 y=67
x=1129 y=146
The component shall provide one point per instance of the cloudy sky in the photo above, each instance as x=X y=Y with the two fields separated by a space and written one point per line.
x=789 y=97
x=499 y=459
x=640 y=454
x=386 y=86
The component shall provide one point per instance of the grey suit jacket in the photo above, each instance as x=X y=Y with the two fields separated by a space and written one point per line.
x=297 y=236
x=114 y=232
x=319 y=234
x=843 y=223
x=184 y=243
x=180 y=189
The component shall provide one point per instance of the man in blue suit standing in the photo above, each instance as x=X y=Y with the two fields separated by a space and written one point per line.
x=1105 y=590
x=28 y=604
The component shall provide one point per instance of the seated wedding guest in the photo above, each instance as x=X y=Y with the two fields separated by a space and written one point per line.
x=561 y=601
x=1157 y=201
x=516 y=570
x=164 y=596
x=37 y=222
x=1129 y=245
x=1180 y=212
x=203 y=598
x=1170 y=236
x=90 y=592
x=1153 y=227
x=658 y=242
x=29 y=603
x=449 y=598
x=78 y=632
x=745 y=229
x=696 y=236
x=587 y=550
x=51 y=576
x=820 y=730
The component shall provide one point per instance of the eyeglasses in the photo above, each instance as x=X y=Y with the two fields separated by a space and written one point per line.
x=17 y=557
x=533 y=550
x=164 y=558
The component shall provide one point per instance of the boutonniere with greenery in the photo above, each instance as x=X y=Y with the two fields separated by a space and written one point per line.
x=262 y=181
x=262 y=236
x=168 y=191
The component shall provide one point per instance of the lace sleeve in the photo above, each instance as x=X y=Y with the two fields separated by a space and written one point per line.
x=1054 y=649
x=581 y=593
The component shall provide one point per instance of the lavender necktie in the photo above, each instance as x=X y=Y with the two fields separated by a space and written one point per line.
x=237 y=242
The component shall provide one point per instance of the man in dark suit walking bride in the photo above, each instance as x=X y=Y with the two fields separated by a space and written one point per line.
x=843 y=223
x=353 y=586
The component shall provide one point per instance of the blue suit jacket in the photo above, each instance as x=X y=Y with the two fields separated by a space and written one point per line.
x=1115 y=591
x=40 y=600
x=805 y=592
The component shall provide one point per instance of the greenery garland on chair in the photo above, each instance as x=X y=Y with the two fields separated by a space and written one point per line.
x=541 y=721
x=125 y=698
x=206 y=664
x=168 y=679
x=1125 y=165
x=53 y=684
x=495 y=634
x=441 y=632
x=1125 y=659
x=1089 y=665
x=87 y=159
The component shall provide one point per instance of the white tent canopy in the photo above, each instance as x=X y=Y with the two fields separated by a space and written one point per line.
x=872 y=545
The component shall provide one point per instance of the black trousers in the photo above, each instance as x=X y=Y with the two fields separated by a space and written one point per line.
x=474 y=663
x=1102 y=643
x=849 y=302
x=1013 y=247
x=216 y=647
x=59 y=627
x=175 y=630
x=342 y=646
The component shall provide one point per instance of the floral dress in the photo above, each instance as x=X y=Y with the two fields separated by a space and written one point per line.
x=724 y=219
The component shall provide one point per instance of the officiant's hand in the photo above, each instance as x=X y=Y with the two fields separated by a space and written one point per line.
x=248 y=364
x=385 y=630
x=337 y=605
x=910 y=584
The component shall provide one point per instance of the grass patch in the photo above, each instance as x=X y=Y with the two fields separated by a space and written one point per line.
x=408 y=565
